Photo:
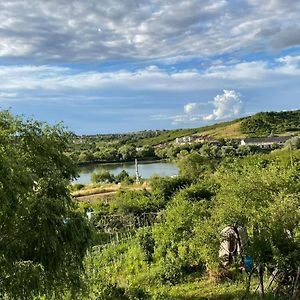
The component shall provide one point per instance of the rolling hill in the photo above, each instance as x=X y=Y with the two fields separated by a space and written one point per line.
x=260 y=124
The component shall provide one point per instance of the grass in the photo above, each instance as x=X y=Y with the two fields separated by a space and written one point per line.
x=231 y=130
x=106 y=188
x=92 y=189
x=203 y=289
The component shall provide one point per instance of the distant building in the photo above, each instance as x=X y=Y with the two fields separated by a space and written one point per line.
x=160 y=146
x=185 y=139
x=265 y=142
x=196 y=139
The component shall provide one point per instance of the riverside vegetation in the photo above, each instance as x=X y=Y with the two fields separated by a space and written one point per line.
x=156 y=243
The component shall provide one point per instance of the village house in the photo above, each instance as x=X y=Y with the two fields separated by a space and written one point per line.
x=265 y=142
x=195 y=138
x=185 y=139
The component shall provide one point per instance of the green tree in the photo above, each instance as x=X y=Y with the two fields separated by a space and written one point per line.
x=86 y=156
x=102 y=176
x=43 y=240
x=194 y=165
x=262 y=196
x=127 y=152
x=122 y=176
x=146 y=151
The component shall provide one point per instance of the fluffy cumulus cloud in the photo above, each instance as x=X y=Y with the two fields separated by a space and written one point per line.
x=227 y=105
x=71 y=30
x=191 y=108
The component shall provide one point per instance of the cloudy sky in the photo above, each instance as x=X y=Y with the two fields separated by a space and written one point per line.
x=126 y=65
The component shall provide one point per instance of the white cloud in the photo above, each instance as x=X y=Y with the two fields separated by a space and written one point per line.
x=89 y=30
x=241 y=75
x=8 y=95
x=227 y=105
x=192 y=108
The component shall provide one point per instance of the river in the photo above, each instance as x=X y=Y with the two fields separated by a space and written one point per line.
x=146 y=170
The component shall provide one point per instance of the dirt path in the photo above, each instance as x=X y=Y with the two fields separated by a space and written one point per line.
x=105 y=195
x=95 y=197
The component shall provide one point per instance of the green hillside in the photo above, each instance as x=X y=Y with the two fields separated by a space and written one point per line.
x=225 y=129
x=265 y=123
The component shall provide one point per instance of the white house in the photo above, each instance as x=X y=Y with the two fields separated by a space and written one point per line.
x=185 y=139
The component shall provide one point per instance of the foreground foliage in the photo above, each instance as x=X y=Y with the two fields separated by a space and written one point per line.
x=159 y=243
x=43 y=240
x=260 y=193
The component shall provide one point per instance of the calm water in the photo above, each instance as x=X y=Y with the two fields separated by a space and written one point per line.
x=146 y=170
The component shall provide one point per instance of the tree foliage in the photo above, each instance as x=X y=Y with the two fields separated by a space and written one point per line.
x=43 y=240
x=265 y=123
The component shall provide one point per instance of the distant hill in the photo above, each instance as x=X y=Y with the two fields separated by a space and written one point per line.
x=260 y=124
x=265 y=123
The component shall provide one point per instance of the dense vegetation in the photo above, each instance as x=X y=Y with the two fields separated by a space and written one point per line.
x=151 y=240
x=160 y=241
x=265 y=123
x=156 y=144
x=43 y=239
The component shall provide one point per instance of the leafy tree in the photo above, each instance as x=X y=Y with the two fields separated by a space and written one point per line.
x=102 y=176
x=243 y=150
x=107 y=154
x=166 y=187
x=122 y=176
x=161 y=152
x=146 y=151
x=194 y=165
x=262 y=196
x=294 y=142
x=43 y=240
x=228 y=151
x=86 y=156
x=127 y=152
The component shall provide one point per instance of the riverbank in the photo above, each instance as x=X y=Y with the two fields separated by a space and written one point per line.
x=105 y=162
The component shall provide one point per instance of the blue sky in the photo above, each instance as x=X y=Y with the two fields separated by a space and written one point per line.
x=127 y=65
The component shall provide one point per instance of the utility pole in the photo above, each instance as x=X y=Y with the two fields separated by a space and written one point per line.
x=137 y=175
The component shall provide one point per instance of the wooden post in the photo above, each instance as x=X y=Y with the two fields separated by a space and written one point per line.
x=261 y=281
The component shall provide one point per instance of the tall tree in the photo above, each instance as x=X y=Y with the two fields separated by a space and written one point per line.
x=43 y=240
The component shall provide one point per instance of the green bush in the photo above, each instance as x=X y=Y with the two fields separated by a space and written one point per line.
x=166 y=187
x=122 y=176
x=103 y=176
x=147 y=243
x=77 y=186
x=135 y=202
